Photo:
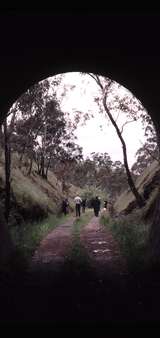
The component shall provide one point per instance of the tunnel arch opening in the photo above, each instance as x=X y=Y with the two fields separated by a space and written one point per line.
x=136 y=68
x=62 y=75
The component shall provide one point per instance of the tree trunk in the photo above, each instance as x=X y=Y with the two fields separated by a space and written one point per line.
x=1 y=137
x=42 y=166
x=7 y=171
x=132 y=186
x=48 y=165
x=139 y=199
x=30 y=167
x=21 y=157
x=43 y=156
x=39 y=168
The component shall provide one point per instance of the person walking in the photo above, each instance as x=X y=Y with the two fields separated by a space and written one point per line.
x=78 y=202
x=83 y=204
x=65 y=205
x=96 y=206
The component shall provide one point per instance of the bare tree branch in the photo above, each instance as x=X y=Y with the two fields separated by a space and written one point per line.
x=125 y=124
x=117 y=117
x=99 y=82
x=11 y=126
x=96 y=78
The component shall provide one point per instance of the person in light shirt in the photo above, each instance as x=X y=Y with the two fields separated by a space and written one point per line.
x=78 y=202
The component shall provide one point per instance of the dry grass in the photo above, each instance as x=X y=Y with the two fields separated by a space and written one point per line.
x=33 y=194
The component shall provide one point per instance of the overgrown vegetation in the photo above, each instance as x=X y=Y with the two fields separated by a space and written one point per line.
x=132 y=235
x=28 y=237
x=78 y=256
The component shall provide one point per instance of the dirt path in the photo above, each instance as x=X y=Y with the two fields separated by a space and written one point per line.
x=78 y=288
x=94 y=291
x=54 y=247
x=62 y=290
x=98 y=242
x=102 y=248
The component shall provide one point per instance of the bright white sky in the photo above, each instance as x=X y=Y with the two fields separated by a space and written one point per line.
x=92 y=137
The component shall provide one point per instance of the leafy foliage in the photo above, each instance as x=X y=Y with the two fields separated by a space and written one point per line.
x=41 y=130
x=100 y=175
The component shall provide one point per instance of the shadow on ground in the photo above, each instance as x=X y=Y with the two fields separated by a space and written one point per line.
x=75 y=293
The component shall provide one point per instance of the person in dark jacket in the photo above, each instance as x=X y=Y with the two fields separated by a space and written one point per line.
x=96 y=206
x=65 y=205
x=83 y=204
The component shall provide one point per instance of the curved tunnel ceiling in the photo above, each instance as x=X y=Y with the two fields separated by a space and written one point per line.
x=123 y=48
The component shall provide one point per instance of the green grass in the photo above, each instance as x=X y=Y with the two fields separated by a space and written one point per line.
x=79 y=223
x=27 y=237
x=78 y=256
x=132 y=235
